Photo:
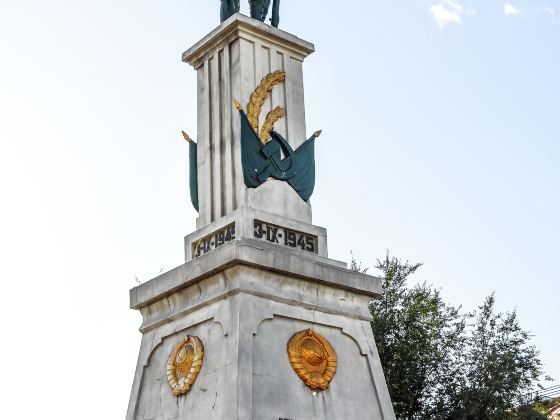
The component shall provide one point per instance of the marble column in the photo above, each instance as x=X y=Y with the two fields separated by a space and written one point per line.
x=230 y=62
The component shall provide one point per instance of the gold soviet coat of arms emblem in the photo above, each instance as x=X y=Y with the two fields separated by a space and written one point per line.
x=184 y=364
x=313 y=359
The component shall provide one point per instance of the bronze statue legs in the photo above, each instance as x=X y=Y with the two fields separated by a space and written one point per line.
x=259 y=10
x=229 y=8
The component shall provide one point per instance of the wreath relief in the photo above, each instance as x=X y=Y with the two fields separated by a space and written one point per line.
x=184 y=365
x=313 y=359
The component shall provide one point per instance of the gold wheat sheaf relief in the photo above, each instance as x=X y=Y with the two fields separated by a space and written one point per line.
x=257 y=99
x=271 y=119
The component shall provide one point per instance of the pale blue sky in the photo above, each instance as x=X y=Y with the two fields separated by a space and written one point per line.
x=441 y=137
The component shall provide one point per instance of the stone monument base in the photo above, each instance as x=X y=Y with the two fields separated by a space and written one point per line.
x=245 y=301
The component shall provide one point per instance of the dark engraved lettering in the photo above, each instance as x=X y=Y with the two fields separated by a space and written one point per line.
x=310 y=242
x=272 y=234
x=301 y=242
x=291 y=238
x=258 y=229
x=213 y=241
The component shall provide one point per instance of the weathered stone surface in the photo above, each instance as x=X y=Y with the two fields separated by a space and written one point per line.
x=246 y=295
x=254 y=253
x=351 y=394
x=244 y=302
x=244 y=228
x=231 y=61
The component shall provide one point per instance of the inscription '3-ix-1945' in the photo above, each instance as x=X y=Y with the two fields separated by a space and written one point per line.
x=283 y=236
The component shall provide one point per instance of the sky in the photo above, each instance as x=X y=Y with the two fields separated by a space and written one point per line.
x=441 y=129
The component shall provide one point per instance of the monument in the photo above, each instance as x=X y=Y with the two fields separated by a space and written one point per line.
x=258 y=323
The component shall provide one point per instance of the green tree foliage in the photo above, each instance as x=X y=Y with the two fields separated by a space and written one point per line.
x=442 y=364
x=500 y=366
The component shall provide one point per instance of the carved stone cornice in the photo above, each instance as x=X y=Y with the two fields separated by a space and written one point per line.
x=241 y=26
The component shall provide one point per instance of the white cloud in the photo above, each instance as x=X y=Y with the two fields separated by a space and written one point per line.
x=548 y=10
x=529 y=9
x=446 y=11
x=510 y=9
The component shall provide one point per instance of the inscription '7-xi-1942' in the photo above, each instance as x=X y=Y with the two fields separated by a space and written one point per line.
x=283 y=236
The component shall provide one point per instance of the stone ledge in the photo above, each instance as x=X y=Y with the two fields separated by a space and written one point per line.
x=239 y=24
x=244 y=217
x=258 y=254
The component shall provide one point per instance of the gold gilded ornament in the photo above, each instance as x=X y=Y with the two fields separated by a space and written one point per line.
x=260 y=94
x=184 y=364
x=313 y=359
x=268 y=125
x=186 y=137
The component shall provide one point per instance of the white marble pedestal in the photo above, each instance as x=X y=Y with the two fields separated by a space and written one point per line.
x=244 y=301
x=246 y=288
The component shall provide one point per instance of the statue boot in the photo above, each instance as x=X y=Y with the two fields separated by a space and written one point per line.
x=259 y=9
x=275 y=20
x=228 y=9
